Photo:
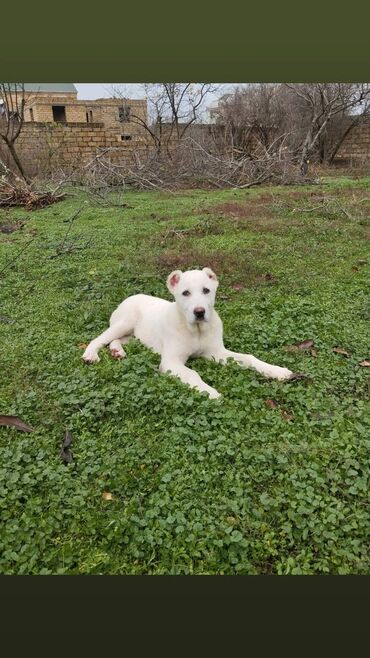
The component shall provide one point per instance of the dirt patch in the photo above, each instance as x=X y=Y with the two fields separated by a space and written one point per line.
x=203 y=228
x=10 y=228
x=236 y=267
x=248 y=210
x=271 y=213
x=193 y=258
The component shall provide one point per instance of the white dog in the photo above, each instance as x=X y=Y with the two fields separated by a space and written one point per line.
x=187 y=327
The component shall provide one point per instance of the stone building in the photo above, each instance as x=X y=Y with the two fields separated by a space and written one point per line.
x=60 y=131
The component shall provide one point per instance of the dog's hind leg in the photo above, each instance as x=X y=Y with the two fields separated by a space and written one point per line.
x=116 y=332
x=250 y=361
x=116 y=347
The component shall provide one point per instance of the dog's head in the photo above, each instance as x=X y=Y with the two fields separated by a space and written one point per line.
x=194 y=292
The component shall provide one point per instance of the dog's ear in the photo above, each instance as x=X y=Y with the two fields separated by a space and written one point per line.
x=173 y=279
x=211 y=275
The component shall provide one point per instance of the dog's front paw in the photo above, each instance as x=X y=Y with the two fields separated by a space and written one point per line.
x=90 y=356
x=213 y=394
x=281 y=374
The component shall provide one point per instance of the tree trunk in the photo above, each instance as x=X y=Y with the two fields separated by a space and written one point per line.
x=17 y=161
x=304 y=167
x=322 y=149
x=303 y=163
x=306 y=148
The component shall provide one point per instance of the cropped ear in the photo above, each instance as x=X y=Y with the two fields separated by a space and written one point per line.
x=211 y=275
x=173 y=279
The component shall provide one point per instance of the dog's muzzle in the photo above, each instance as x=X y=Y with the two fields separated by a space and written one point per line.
x=199 y=313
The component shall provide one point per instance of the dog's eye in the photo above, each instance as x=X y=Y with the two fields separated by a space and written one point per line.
x=205 y=291
x=186 y=293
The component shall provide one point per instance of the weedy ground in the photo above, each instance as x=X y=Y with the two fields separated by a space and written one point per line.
x=271 y=479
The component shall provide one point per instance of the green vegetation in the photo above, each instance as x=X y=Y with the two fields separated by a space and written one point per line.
x=271 y=479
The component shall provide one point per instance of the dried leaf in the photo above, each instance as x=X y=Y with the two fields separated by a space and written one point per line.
x=298 y=376
x=287 y=416
x=305 y=345
x=82 y=346
x=314 y=352
x=267 y=277
x=271 y=404
x=18 y=423
x=317 y=415
x=231 y=520
x=364 y=364
x=67 y=439
x=66 y=456
x=340 y=350
x=274 y=404
x=238 y=286
x=106 y=495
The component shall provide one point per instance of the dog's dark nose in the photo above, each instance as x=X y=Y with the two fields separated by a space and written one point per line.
x=199 y=312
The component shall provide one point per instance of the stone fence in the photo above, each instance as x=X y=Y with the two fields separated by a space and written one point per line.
x=45 y=147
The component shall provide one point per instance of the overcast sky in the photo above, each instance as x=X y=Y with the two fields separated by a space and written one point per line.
x=93 y=90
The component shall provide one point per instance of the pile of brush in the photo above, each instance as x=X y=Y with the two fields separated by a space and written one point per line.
x=22 y=194
x=16 y=191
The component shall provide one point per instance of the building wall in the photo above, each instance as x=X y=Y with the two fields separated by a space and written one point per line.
x=43 y=111
x=45 y=144
x=47 y=147
x=103 y=111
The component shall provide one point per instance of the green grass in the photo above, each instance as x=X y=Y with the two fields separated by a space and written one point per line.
x=198 y=486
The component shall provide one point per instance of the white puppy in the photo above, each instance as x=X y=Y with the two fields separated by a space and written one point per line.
x=187 y=327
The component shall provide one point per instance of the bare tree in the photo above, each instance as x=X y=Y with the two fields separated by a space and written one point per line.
x=320 y=103
x=313 y=119
x=184 y=101
x=172 y=108
x=254 y=114
x=12 y=105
